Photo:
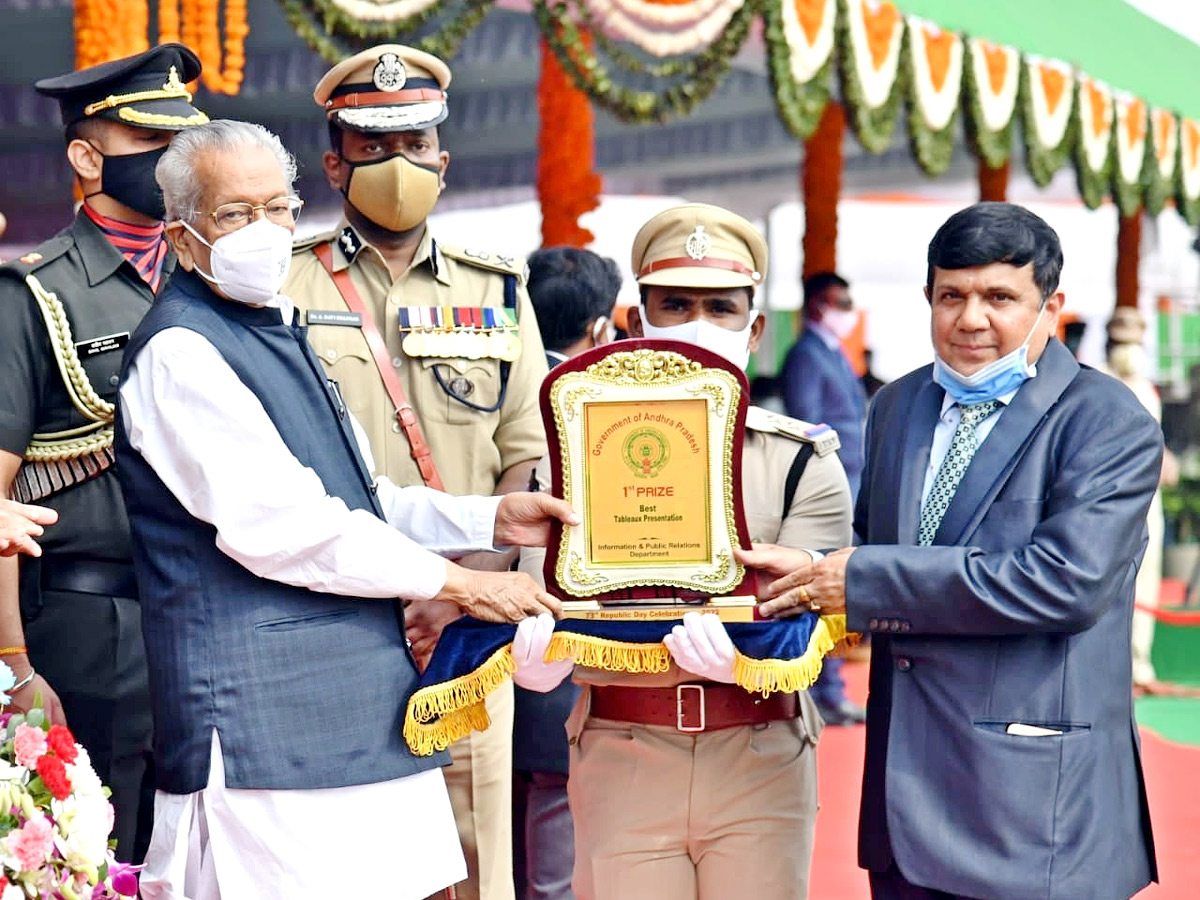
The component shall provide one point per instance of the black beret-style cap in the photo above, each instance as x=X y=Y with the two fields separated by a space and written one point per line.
x=148 y=90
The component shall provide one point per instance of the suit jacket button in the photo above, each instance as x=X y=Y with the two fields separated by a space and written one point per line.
x=903 y=663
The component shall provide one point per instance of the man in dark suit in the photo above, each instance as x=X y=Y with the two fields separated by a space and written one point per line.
x=820 y=386
x=1002 y=520
x=818 y=383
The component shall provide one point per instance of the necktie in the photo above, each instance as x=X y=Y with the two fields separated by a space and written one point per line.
x=954 y=466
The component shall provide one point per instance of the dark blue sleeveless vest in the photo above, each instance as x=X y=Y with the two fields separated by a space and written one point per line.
x=306 y=689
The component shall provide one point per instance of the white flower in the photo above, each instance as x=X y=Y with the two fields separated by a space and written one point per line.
x=84 y=827
x=84 y=780
x=12 y=892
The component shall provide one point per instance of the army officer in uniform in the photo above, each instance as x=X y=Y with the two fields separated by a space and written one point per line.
x=437 y=352
x=727 y=807
x=68 y=309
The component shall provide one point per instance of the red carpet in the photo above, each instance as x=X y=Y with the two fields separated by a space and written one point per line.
x=1172 y=779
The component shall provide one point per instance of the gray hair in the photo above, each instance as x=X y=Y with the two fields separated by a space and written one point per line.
x=176 y=171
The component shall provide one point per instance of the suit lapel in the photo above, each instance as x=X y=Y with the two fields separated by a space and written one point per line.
x=1000 y=453
x=918 y=436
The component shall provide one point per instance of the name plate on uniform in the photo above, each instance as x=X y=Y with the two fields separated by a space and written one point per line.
x=645 y=441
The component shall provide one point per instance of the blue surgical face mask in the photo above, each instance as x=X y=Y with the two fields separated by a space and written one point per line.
x=994 y=380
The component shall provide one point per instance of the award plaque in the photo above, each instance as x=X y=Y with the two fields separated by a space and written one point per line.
x=645 y=442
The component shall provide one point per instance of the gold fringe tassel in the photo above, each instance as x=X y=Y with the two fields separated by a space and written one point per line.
x=609 y=656
x=456 y=705
x=439 y=715
x=772 y=676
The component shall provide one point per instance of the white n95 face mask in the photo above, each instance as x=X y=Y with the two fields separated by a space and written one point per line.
x=734 y=346
x=251 y=264
x=841 y=322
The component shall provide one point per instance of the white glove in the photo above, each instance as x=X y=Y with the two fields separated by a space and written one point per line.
x=529 y=652
x=701 y=645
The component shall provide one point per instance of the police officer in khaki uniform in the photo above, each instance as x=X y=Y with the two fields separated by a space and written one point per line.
x=726 y=811
x=68 y=309
x=444 y=334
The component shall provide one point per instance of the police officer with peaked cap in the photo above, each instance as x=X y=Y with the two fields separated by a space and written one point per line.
x=68 y=308
x=716 y=798
x=444 y=334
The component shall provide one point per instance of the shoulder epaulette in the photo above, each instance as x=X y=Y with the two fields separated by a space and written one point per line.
x=823 y=438
x=39 y=256
x=300 y=246
x=507 y=264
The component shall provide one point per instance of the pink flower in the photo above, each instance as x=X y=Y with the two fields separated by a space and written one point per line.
x=31 y=845
x=29 y=744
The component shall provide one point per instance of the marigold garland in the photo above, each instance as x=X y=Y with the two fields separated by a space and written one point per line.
x=1158 y=165
x=800 y=104
x=168 y=22
x=1187 y=171
x=594 y=78
x=1002 y=65
x=820 y=186
x=1094 y=121
x=873 y=124
x=109 y=29
x=932 y=142
x=1130 y=135
x=333 y=34
x=1044 y=161
x=566 y=183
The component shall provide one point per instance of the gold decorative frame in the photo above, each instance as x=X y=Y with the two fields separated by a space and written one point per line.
x=682 y=381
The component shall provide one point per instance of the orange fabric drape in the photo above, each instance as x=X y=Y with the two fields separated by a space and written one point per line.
x=820 y=185
x=567 y=184
x=993 y=183
x=1129 y=248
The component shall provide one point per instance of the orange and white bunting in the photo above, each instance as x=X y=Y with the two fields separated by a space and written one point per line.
x=1130 y=137
x=1164 y=128
x=1095 y=121
x=662 y=27
x=997 y=71
x=937 y=68
x=808 y=28
x=876 y=32
x=1051 y=89
x=1189 y=158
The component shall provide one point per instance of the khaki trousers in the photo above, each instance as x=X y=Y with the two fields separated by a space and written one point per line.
x=480 y=786
x=661 y=815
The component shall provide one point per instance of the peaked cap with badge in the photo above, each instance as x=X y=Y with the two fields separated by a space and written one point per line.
x=389 y=87
x=699 y=245
x=147 y=90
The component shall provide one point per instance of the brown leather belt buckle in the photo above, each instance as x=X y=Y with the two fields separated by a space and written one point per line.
x=696 y=692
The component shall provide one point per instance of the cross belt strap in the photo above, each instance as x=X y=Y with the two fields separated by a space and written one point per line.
x=383 y=362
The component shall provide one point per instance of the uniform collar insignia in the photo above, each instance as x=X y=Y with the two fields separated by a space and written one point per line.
x=389 y=74
x=350 y=243
x=698 y=244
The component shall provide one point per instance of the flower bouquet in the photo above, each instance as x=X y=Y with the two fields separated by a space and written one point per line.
x=55 y=818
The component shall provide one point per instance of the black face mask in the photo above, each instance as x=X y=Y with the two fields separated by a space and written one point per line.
x=129 y=180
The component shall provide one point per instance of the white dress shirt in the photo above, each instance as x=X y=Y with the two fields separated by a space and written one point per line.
x=943 y=435
x=209 y=439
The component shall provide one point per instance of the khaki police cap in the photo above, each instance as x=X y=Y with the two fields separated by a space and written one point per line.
x=699 y=246
x=386 y=88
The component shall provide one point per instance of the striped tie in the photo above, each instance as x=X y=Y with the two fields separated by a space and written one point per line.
x=954 y=466
x=144 y=246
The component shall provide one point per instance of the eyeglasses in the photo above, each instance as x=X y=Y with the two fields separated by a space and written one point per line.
x=232 y=216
